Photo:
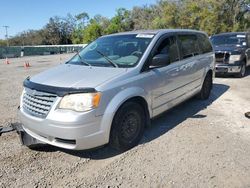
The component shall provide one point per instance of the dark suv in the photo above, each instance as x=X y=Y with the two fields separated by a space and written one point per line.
x=232 y=53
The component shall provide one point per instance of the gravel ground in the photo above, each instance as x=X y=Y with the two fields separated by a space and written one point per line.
x=196 y=144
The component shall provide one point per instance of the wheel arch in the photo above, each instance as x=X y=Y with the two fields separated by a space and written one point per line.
x=131 y=94
x=140 y=100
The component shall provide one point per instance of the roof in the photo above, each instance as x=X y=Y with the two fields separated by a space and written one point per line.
x=155 y=31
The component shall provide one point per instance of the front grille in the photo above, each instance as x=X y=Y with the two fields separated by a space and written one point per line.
x=37 y=103
x=222 y=57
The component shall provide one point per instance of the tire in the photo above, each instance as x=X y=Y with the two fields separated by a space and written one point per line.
x=128 y=126
x=242 y=71
x=206 y=87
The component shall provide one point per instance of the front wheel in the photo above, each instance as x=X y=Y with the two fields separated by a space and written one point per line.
x=128 y=126
x=242 y=71
x=206 y=87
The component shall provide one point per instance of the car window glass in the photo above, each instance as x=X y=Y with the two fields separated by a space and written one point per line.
x=189 y=45
x=229 y=39
x=169 y=47
x=122 y=50
x=204 y=44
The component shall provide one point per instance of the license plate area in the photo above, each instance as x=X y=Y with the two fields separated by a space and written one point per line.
x=221 y=69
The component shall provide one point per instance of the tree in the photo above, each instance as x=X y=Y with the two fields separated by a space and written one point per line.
x=83 y=17
x=3 y=42
x=211 y=16
x=59 y=30
x=29 y=37
x=142 y=17
x=234 y=11
x=92 y=31
x=166 y=15
x=122 y=21
x=77 y=34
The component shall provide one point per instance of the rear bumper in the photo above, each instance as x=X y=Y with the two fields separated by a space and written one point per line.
x=83 y=133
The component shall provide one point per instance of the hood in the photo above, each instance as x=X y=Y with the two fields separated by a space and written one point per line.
x=76 y=76
x=228 y=48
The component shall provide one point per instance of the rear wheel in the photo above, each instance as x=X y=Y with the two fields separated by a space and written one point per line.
x=242 y=71
x=206 y=87
x=128 y=126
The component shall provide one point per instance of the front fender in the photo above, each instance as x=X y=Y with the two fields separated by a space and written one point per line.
x=116 y=102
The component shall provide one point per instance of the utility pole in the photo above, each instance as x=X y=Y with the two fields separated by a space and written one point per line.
x=6 y=35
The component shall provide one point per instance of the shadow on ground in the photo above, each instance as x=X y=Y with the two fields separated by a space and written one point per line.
x=160 y=125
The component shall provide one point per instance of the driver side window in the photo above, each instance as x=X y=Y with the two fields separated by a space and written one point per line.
x=169 y=47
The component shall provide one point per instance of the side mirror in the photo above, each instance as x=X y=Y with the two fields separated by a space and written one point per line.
x=160 y=60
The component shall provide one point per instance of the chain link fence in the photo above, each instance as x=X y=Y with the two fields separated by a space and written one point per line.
x=19 y=51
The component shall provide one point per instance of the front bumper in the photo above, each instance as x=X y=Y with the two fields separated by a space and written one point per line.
x=71 y=131
x=227 y=68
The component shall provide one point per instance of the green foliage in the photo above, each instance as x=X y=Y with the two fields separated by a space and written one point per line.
x=92 y=31
x=59 y=30
x=3 y=42
x=142 y=17
x=211 y=16
x=81 y=21
x=30 y=37
x=120 y=22
x=83 y=17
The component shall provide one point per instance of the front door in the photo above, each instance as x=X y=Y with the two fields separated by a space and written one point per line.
x=168 y=77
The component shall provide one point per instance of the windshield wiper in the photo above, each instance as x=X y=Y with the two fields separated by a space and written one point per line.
x=109 y=60
x=82 y=61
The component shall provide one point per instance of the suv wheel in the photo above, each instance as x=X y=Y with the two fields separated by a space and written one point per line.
x=128 y=126
x=242 y=71
x=206 y=87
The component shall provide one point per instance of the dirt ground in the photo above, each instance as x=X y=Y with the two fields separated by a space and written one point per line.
x=196 y=144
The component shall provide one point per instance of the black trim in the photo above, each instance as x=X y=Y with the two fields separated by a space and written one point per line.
x=59 y=91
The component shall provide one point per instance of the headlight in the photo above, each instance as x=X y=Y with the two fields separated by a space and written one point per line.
x=234 y=58
x=80 y=102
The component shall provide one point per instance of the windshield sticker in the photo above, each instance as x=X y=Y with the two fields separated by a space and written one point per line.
x=241 y=36
x=145 y=36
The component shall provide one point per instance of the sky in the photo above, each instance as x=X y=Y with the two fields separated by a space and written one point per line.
x=22 y=15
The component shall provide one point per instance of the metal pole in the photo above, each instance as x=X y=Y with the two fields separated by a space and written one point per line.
x=6 y=36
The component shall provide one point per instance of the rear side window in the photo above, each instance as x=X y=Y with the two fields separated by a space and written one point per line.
x=204 y=44
x=189 y=45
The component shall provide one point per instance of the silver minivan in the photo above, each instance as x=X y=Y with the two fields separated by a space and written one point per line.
x=109 y=91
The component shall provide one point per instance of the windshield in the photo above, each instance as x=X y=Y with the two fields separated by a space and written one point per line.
x=114 y=51
x=229 y=40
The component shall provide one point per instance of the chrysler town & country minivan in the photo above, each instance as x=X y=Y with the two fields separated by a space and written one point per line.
x=109 y=91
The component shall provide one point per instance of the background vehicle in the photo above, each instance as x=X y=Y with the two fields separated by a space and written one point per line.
x=110 y=90
x=232 y=53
